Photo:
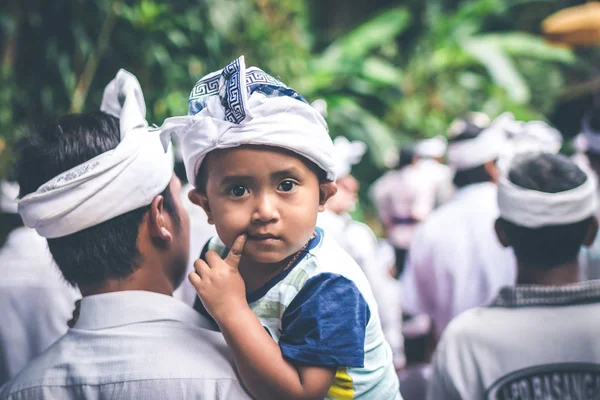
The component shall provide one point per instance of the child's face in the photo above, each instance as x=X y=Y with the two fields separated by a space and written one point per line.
x=269 y=194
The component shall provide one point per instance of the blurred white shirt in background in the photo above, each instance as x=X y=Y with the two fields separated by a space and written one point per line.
x=35 y=300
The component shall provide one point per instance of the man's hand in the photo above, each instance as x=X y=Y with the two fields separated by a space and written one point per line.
x=219 y=283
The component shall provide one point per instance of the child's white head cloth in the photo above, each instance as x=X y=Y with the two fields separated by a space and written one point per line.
x=535 y=209
x=346 y=154
x=9 y=191
x=108 y=185
x=245 y=106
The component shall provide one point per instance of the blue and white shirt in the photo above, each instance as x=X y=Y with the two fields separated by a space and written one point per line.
x=321 y=311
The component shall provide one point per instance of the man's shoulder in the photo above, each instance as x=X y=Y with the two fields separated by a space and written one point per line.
x=468 y=324
x=153 y=353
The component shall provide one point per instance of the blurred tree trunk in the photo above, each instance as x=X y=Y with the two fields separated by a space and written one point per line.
x=85 y=80
x=7 y=82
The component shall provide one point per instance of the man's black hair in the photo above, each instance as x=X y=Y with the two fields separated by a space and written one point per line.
x=594 y=121
x=107 y=250
x=550 y=245
x=406 y=156
x=470 y=176
x=465 y=177
x=9 y=221
x=179 y=170
x=594 y=124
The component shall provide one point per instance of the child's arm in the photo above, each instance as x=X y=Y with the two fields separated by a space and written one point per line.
x=258 y=358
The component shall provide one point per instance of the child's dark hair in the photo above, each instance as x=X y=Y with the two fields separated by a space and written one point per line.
x=549 y=245
x=106 y=250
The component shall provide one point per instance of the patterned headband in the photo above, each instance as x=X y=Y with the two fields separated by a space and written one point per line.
x=239 y=84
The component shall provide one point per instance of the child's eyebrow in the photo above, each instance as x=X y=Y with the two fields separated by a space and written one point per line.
x=285 y=173
x=230 y=179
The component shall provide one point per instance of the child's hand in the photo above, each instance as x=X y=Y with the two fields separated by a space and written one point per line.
x=219 y=283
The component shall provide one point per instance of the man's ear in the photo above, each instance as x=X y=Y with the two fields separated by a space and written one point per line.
x=501 y=233
x=158 y=225
x=326 y=191
x=492 y=170
x=592 y=231
x=201 y=199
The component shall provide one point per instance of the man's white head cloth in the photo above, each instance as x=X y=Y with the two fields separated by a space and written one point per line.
x=245 y=106
x=112 y=183
x=535 y=209
x=9 y=192
x=527 y=137
x=432 y=148
x=488 y=145
x=346 y=154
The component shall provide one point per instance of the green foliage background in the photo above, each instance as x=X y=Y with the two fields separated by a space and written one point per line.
x=389 y=71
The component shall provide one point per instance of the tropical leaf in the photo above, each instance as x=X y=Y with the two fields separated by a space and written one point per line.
x=520 y=44
x=500 y=67
x=381 y=72
x=348 y=118
x=365 y=38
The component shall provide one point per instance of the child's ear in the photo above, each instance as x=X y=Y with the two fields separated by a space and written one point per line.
x=326 y=191
x=201 y=199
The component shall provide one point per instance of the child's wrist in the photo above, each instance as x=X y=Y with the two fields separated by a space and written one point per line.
x=233 y=316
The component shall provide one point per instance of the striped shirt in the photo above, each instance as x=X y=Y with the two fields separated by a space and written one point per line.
x=321 y=311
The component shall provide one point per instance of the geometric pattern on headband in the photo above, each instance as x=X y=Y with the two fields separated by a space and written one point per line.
x=68 y=176
x=233 y=99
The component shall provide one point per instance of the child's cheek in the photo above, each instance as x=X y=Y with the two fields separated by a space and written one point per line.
x=230 y=224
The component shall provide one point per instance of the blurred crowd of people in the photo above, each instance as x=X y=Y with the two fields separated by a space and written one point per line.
x=484 y=279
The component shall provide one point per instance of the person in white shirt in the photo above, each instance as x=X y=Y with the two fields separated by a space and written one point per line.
x=35 y=300
x=430 y=154
x=588 y=158
x=403 y=197
x=538 y=339
x=455 y=261
x=100 y=188
x=359 y=241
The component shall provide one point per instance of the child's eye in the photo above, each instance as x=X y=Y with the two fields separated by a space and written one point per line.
x=287 y=186
x=237 y=190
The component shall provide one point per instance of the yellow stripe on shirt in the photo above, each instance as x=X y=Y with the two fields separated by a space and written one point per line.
x=342 y=388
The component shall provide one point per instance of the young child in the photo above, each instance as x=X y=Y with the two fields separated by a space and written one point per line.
x=295 y=310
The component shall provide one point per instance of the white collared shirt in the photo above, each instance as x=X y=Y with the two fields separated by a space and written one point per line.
x=132 y=344
x=455 y=261
x=35 y=301
x=532 y=342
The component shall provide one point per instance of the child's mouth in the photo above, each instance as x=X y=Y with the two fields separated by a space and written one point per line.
x=266 y=238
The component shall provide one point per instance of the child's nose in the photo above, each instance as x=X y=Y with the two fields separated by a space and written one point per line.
x=265 y=209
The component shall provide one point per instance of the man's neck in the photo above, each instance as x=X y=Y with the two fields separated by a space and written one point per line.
x=141 y=279
x=562 y=274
